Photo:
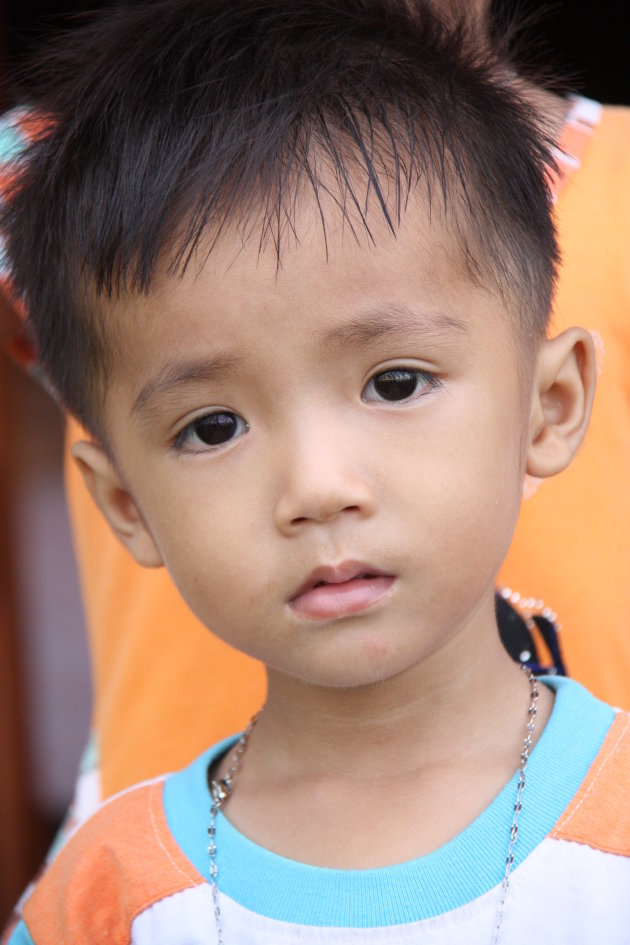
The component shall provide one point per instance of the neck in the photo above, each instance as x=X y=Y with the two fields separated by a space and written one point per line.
x=444 y=708
x=322 y=756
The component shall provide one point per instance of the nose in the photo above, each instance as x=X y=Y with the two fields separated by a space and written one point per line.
x=322 y=480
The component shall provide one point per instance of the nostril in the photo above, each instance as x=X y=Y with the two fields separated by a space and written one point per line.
x=324 y=515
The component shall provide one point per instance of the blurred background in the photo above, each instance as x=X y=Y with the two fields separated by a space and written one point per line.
x=44 y=667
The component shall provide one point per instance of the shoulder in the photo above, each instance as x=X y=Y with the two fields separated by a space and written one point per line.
x=142 y=851
x=579 y=875
x=118 y=864
x=614 y=128
x=593 y=222
x=595 y=144
x=608 y=155
x=595 y=132
x=599 y=814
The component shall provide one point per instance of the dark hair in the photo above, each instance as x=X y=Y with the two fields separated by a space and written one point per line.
x=170 y=118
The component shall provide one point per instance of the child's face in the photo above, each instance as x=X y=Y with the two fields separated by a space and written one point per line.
x=268 y=443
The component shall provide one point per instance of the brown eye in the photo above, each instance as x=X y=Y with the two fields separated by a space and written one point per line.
x=211 y=430
x=397 y=385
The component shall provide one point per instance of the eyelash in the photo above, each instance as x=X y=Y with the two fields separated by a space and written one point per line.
x=225 y=419
x=397 y=376
x=181 y=443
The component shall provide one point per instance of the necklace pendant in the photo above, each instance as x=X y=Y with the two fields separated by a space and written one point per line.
x=220 y=791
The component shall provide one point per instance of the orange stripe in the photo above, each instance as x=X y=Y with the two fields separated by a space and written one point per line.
x=599 y=814
x=121 y=862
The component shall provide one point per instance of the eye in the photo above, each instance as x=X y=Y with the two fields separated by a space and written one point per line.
x=399 y=384
x=210 y=431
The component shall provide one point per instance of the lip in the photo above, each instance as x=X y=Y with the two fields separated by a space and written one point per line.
x=340 y=590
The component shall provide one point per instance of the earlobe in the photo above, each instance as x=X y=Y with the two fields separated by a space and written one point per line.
x=116 y=502
x=562 y=397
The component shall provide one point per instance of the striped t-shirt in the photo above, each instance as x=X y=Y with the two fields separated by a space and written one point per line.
x=137 y=871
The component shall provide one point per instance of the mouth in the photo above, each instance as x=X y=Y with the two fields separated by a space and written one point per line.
x=341 y=590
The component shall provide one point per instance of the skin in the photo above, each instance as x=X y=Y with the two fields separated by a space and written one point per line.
x=322 y=470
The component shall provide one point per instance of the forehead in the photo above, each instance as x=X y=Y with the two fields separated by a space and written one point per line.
x=329 y=285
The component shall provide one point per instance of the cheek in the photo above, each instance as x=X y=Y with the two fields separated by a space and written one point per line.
x=209 y=543
x=464 y=489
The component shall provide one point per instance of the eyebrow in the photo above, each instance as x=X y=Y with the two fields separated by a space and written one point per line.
x=176 y=374
x=373 y=325
x=365 y=330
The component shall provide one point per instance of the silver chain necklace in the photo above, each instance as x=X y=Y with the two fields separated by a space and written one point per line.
x=221 y=790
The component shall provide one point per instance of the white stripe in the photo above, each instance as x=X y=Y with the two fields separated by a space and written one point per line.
x=570 y=894
x=188 y=916
x=565 y=893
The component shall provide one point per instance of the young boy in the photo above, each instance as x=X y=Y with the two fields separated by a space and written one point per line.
x=291 y=265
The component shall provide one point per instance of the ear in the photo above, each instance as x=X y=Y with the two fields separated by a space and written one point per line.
x=116 y=503
x=562 y=397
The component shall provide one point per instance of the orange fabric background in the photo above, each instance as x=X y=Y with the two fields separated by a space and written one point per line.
x=572 y=543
